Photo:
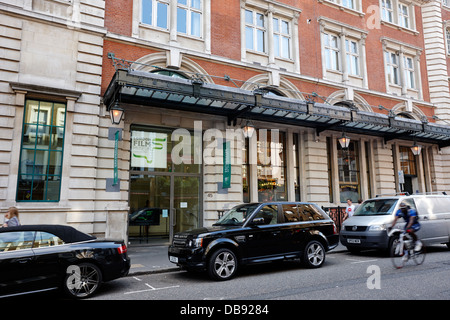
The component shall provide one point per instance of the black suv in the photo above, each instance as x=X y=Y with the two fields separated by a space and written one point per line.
x=256 y=232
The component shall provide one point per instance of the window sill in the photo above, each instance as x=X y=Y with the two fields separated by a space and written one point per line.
x=150 y=27
x=396 y=26
x=355 y=12
x=288 y=60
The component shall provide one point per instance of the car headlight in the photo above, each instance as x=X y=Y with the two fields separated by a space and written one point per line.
x=195 y=243
x=377 y=227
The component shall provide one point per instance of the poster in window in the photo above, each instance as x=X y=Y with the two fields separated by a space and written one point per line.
x=149 y=149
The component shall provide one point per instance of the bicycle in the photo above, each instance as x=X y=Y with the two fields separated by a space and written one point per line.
x=402 y=249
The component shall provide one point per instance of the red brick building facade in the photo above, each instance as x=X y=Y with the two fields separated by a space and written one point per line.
x=369 y=55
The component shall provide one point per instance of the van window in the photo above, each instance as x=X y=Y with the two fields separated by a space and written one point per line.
x=376 y=207
x=410 y=203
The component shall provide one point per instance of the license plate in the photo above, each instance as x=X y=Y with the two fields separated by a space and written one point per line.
x=173 y=259
x=356 y=241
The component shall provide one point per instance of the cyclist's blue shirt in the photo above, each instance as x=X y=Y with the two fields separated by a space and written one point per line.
x=412 y=214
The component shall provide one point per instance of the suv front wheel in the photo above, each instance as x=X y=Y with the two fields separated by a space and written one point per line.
x=222 y=264
x=314 y=254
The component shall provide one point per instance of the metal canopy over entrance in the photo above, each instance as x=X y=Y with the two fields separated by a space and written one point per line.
x=150 y=89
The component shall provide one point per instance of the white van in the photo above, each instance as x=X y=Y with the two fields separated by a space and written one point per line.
x=367 y=228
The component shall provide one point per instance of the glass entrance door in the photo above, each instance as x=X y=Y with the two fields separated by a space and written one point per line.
x=161 y=205
x=186 y=206
x=164 y=193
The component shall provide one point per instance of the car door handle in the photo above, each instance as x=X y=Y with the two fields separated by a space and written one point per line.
x=24 y=260
x=425 y=218
x=275 y=233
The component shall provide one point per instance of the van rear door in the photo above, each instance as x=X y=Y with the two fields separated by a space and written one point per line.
x=434 y=214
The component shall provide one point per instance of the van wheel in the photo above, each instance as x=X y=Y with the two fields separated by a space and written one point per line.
x=222 y=265
x=392 y=243
x=314 y=254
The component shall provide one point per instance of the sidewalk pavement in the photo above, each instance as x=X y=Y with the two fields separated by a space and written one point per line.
x=147 y=258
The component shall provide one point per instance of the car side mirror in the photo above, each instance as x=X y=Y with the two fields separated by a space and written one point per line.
x=258 y=221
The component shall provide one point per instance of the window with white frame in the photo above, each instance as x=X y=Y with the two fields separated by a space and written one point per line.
x=399 y=13
x=189 y=17
x=331 y=51
x=269 y=34
x=403 y=15
x=343 y=52
x=352 y=6
x=349 y=4
x=255 y=31
x=182 y=23
x=281 y=38
x=447 y=36
x=392 y=67
x=155 y=13
x=352 y=54
x=409 y=72
x=387 y=12
x=402 y=67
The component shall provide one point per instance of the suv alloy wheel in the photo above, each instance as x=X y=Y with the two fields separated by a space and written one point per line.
x=314 y=254
x=223 y=264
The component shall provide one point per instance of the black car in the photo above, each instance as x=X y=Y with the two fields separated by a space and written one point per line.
x=254 y=233
x=35 y=258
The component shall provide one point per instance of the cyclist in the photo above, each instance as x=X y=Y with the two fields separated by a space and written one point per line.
x=412 y=223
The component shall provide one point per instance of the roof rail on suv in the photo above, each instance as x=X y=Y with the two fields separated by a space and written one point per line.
x=403 y=193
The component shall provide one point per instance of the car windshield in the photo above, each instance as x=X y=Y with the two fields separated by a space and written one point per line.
x=237 y=215
x=376 y=207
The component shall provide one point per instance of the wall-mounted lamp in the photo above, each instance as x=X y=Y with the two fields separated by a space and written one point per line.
x=249 y=129
x=416 y=149
x=116 y=114
x=344 y=141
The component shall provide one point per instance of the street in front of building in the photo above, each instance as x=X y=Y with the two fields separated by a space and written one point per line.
x=344 y=276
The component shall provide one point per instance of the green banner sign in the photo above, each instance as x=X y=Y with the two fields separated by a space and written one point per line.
x=226 y=165
x=116 y=155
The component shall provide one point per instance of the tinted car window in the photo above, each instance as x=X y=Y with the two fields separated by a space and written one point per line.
x=237 y=215
x=45 y=239
x=269 y=213
x=17 y=240
x=309 y=212
x=290 y=212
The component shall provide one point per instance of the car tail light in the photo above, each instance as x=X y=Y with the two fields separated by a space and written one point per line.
x=334 y=229
x=122 y=249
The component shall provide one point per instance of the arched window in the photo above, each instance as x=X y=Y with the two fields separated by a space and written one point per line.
x=170 y=73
